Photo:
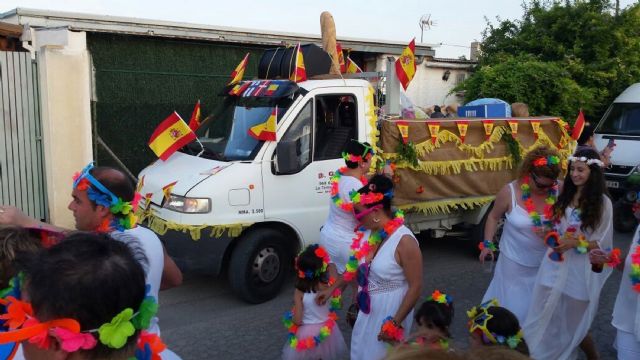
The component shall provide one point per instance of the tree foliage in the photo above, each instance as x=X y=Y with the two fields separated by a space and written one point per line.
x=561 y=56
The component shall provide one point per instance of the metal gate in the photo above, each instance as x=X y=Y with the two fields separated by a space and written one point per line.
x=22 y=182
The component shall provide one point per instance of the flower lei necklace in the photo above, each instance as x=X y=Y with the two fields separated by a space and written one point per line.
x=552 y=195
x=325 y=331
x=360 y=249
x=335 y=191
x=634 y=274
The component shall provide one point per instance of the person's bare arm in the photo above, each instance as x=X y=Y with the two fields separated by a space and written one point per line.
x=11 y=215
x=298 y=308
x=171 y=274
x=410 y=258
x=500 y=207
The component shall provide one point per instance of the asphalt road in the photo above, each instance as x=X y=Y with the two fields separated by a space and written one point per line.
x=203 y=320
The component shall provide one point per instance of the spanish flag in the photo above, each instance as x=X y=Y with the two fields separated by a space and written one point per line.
x=172 y=134
x=352 y=67
x=343 y=67
x=299 y=74
x=265 y=131
x=194 y=122
x=238 y=73
x=167 y=189
x=406 y=64
x=578 y=126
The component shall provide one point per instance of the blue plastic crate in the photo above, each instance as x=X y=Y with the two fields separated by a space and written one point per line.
x=483 y=111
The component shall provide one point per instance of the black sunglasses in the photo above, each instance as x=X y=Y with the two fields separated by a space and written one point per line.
x=542 y=186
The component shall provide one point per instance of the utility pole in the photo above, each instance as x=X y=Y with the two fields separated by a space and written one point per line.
x=617 y=7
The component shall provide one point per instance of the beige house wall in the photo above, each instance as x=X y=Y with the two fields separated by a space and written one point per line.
x=65 y=95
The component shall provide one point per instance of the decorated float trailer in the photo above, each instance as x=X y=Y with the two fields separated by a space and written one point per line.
x=247 y=207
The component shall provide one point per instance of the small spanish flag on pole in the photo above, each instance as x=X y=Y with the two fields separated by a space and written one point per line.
x=172 y=134
x=343 y=68
x=238 y=73
x=352 y=67
x=406 y=64
x=265 y=131
x=578 y=126
x=194 y=122
x=299 y=73
x=167 y=189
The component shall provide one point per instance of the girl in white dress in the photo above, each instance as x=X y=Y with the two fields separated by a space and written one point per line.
x=566 y=293
x=312 y=330
x=388 y=265
x=521 y=244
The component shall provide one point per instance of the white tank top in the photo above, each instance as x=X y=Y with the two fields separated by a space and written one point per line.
x=312 y=312
x=518 y=241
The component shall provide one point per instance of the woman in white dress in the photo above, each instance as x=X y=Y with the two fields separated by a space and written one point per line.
x=338 y=231
x=521 y=244
x=626 y=312
x=566 y=294
x=389 y=272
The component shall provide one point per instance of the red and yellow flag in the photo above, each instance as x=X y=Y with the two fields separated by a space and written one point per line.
x=343 y=68
x=434 y=128
x=172 y=134
x=578 y=126
x=488 y=128
x=238 y=89
x=167 y=189
x=299 y=73
x=194 y=122
x=352 y=67
x=463 y=125
x=406 y=64
x=265 y=131
x=535 y=125
x=238 y=73
x=403 y=127
x=513 y=124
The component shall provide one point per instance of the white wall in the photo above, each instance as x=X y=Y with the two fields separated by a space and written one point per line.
x=65 y=97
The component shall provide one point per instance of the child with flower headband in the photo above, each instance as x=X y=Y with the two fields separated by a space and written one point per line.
x=566 y=294
x=337 y=232
x=434 y=318
x=15 y=242
x=84 y=297
x=492 y=325
x=312 y=329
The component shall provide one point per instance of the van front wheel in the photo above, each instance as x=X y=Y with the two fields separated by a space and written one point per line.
x=258 y=265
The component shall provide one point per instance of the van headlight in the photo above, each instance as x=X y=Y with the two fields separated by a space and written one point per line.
x=188 y=204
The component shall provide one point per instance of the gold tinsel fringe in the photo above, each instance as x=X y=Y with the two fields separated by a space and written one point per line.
x=456 y=166
x=161 y=226
x=447 y=205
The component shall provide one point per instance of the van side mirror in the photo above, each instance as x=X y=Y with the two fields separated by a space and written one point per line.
x=286 y=158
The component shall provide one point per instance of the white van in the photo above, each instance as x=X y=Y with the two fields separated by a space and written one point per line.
x=621 y=123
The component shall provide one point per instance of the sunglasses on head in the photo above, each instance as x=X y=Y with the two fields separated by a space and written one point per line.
x=539 y=185
x=361 y=214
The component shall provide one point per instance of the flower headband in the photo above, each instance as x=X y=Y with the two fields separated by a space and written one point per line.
x=23 y=325
x=366 y=154
x=322 y=254
x=370 y=197
x=586 y=160
x=549 y=160
x=439 y=297
x=100 y=195
x=478 y=320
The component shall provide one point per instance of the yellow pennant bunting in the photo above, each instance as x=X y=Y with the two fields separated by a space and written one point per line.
x=462 y=128
x=535 y=125
x=403 y=126
x=434 y=127
x=513 y=124
x=488 y=128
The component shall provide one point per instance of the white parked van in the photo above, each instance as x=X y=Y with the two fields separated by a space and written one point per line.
x=621 y=123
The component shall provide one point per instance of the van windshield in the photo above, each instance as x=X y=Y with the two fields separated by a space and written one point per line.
x=226 y=134
x=621 y=119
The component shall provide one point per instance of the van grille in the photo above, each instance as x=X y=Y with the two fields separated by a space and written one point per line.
x=619 y=170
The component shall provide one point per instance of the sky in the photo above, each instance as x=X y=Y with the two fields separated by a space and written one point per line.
x=456 y=22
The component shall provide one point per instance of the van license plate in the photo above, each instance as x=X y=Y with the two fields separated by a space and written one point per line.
x=613 y=184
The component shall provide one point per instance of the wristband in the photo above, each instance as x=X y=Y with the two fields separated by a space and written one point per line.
x=392 y=329
x=487 y=244
x=615 y=258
